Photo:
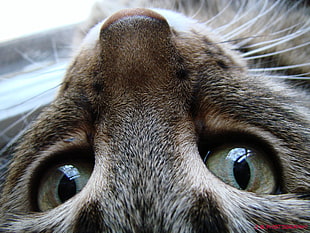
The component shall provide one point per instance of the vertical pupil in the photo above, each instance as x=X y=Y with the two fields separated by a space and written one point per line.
x=242 y=173
x=66 y=188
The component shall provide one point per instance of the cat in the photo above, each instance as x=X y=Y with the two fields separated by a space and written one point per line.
x=173 y=116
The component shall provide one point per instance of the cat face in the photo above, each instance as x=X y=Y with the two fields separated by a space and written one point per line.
x=161 y=127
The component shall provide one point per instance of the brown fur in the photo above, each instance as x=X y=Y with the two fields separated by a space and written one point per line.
x=142 y=100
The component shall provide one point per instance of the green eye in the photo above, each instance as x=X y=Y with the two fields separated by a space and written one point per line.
x=242 y=167
x=61 y=182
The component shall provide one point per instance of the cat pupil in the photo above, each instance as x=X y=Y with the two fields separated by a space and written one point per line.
x=66 y=188
x=242 y=172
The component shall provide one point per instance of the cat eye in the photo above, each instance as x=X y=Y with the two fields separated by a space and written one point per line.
x=243 y=167
x=61 y=182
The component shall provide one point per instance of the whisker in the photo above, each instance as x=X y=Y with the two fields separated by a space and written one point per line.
x=234 y=40
x=241 y=44
x=238 y=16
x=288 y=77
x=26 y=57
x=279 y=41
x=274 y=19
x=199 y=9
x=272 y=22
x=5 y=164
x=279 y=68
x=271 y=35
x=43 y=69
x=21 y=119
x=209 y=21
x=278 y=52
x=55 y=52
x=13 y=140
x=21 y=132
x=251 y=22
x=303 y=75
x=31 y=98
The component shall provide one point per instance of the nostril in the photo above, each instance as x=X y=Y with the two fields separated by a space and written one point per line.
x=131 y=13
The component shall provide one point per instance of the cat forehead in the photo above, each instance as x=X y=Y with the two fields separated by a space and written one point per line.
x=176 y=21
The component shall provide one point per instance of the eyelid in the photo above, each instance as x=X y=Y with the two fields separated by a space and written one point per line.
x=209 y=138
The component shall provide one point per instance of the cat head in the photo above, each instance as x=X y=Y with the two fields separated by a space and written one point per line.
x=160 y=126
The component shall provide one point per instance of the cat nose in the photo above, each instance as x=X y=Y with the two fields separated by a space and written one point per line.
x=135 y=12
x=134 y=23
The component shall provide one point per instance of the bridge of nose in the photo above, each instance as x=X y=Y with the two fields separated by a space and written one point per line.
x=143 y=101
x=139 y=99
